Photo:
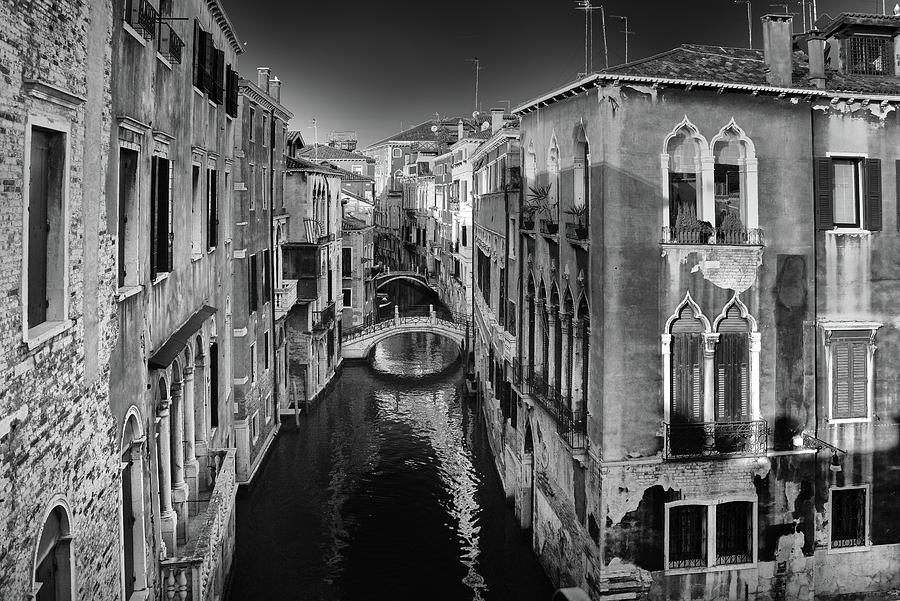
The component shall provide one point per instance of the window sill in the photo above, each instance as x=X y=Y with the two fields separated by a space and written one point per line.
x=40 y=334
x=842 y=550
x=705 y=570
x=163 y=60
x=848 y=231
x=196 y=257
x=127 y=292
x=133 y=33
x=210 y=250
x=849 y=420
x=159 y=278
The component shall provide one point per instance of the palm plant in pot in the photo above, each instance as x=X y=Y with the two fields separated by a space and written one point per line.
x=539 y=202
x=580 y=227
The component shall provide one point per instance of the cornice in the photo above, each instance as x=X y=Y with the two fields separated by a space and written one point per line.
x=218 y=13
x=253 y=92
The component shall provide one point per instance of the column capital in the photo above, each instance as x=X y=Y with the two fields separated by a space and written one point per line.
x=709 y=343
x=162 y=409
x=175 y=390
x=188 y=373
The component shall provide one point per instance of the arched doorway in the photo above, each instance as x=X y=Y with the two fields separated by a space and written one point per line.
x=134 y=559
x=53 y=557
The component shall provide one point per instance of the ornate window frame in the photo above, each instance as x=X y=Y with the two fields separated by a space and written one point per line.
x=755 y=339
x=828 y=328
x=711 y=505
x=705 y=173
x=749 y=166
x=709 y=340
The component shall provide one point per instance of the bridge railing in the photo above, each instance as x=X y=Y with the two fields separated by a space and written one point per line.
x=414 y=314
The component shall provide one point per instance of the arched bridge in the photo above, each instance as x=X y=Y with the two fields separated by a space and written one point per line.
x=410 y=276
x=358 y=342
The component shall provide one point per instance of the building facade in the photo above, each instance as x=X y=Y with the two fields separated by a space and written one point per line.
x=357 y=275
x=704 y=281
x=169 y=188
x=259 y=343
x=59 y=480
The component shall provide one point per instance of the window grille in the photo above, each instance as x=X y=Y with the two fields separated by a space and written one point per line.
x=687 y=536
x=870 y=55
x=734 y=531
x=848 y=517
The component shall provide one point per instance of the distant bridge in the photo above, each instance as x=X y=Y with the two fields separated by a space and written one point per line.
x=358 y=342
x=410 y=276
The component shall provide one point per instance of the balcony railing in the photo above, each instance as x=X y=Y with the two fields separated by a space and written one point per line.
x=570 y=425
x=142 y=16
x=285 y=298
x=716 y=439
x=198 y=568
x=169 y=44
x=700 y=234
x=324 y=318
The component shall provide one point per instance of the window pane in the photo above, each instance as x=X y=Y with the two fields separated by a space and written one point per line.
x=845 y=192
x=687 y=536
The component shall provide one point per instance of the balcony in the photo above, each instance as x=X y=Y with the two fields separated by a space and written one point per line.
x=577 y=232
x=716 y=439
x=322 y=320
x=198 y=569
x=570 y=425
x=702 y=234
x=169 y=44
x=285 y=298
x=142 y=17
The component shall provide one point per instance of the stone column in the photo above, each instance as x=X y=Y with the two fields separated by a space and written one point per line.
x=137 y=511
x=552 y=325
x=179 y=486
x=565 y=325
x=577 y=389
x=538 y=312
x=200 y=424
x=168 y=519
x=191 y=466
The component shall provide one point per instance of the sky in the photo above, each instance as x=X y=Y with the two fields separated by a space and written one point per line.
x=379 y=66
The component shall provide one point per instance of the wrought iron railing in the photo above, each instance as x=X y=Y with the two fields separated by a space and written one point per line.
x=169 y=45
x=716 y=439
x=323 y=319
x=572 y=426
x=142 y=16
x=701 y=233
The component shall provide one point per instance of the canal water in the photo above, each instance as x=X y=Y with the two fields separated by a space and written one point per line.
x=386 y=490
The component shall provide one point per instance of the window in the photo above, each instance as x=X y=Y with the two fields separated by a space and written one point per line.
x=53 y=560
x=265 y=130
x=267 y=275
x=463 y=232
x=253 y=284
x=253 y=363
x=849 y=354
x=848 y=517
x=161 y=225
x=265 y=188
x=357 y=169
x=848 y=193
x=213 y=385
x=346 y=262
x=397 y=153
x=870 y=55
x=251 y=189
x=348 y=297
x=705 y=534
x=212 y=209
x=268 y=406
x=45 y=259
x=266 y=351
x=196 y=212
x=254 y=427
x=252 y=124
x=128 y=217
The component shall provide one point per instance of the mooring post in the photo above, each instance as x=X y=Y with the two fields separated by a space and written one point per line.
x=431 y=314
x=396 y=315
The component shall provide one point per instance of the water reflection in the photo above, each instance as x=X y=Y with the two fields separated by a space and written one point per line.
x=386 y=490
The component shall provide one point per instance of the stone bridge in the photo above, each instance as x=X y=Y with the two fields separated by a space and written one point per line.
x=358 y=342
x=410 y=276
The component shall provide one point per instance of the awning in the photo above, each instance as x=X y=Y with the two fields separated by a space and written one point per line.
x=170 y=349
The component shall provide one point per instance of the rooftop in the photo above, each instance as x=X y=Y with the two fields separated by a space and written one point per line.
x=422 y=131
x=299 y=164
x=350 y=222
x=347 y=176
x=324 y=152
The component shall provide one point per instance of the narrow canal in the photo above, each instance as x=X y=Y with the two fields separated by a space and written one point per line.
x=386 y=490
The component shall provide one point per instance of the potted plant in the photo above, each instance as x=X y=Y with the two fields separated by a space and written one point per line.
x=539 y=199
x=580 y=226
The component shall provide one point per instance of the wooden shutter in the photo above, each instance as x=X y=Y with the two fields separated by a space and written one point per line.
x=209 y=58
x=214 y=385
x=872 y=213
x=858 y=358
x=38 y=227
x=732 y=377
x=212 y=208
x=162 y=215
x=849 y=377
x=154 y=220
x=687 y=356
x=897 y=191
x=218 y=76
x=824 y=170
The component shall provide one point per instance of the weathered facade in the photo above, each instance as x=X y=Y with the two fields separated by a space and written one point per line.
x=59 y=480
x=309 y=251
x=259 y=353
x=704 y=414
x=169 y=191
x=358 y=283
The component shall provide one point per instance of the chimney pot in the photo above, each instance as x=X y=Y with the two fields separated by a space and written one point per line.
x=460 y=130
x=816 y=51
x=262 y=78
x=275 y=88
x=778 y=48
x=496 y=120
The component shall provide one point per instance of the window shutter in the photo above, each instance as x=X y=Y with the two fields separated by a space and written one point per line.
x=897 y=191
x=732 y=367
x=199 y=40
x=209 y=57
x=873 y=195
x=824 y=193
x=164 y=217
x=218 y=76
x=841 y=379
x=154 y=209
x=687 y=356
x=858 y=358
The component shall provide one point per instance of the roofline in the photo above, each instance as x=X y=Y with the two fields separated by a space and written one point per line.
x=221 y=17
x=252 y=91
x=506 y=133
x=595 y=79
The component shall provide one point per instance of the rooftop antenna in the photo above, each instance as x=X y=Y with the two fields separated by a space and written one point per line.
x=626 y=31
x=507 y=104
x=477 y=69
x=749 y=19
x=588 y=8
x=802 y=4
x=313 y=124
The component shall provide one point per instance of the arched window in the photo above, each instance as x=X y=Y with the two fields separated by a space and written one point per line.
x=529 y=323
x=584 y=333
x=530 y=165
x=53 y=558
x=684 y=335
x=569 y=358
x=735 y=183
x=556 y=370
x=682 y=162
x=553 y=175
x=736 y=361
x=581 y=172
x=134 y=575
x=544 y=327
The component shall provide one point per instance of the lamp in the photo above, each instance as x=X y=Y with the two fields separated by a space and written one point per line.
x=835 y=463
x=797 y=440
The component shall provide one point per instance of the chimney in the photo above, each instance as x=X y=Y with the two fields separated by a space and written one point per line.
x=778 y=48
x=816 y=52
x=496 y=120
x=275 y=88
x=460 y=130
x=262 y=78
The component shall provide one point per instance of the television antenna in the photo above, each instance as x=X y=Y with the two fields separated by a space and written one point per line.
x=588 y=8
x=477 y=69
x=749 y=19
x=313 y=124
x=626 y=31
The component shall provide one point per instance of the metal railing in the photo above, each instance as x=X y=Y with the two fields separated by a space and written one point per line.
x=142 y=16
x=169 y=45
x=704 y=234
x=415 y=314
x=572 y=426
x=323 y=319
x=716 y=439
x=285 y=297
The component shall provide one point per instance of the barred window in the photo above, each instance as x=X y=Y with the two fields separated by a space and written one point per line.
x=848 y=517
x=734 y=531
x=687 y=536
x=870 y=55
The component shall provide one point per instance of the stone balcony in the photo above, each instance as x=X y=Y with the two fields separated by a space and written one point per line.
x=285 y=298
x=200 y=567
